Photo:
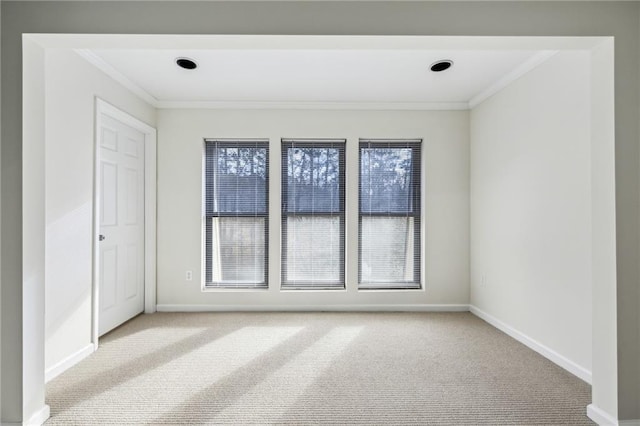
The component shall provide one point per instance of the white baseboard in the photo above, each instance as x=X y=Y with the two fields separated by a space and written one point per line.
x=635 y=422
x=39 y=417
x=68 y=362
x=543 y=350
x=315 y=308
x=600 y=416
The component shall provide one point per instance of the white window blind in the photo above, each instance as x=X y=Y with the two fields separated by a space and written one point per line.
x=236 y=213
x=389 y=218
x=313 y=214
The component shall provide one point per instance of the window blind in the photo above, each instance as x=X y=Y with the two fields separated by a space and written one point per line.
x=313 y=214
x=236 y=213
x=389 y=214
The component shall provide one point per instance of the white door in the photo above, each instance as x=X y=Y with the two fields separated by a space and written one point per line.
x=121 y=223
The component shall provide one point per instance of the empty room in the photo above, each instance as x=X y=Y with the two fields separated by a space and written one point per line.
x=319 y=226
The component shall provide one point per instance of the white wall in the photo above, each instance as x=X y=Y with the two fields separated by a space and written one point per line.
x=603 y=238
x=33 y=254
x=71 y=87
x=445 y=137
x=531 y=207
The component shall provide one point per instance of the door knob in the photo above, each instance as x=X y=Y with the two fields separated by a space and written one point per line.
x=101 y=237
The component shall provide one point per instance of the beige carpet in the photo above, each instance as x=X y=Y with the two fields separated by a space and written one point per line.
x=315 y=368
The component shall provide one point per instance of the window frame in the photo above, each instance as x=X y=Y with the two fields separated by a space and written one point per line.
x=340 y=145
x=416 y=214
x=207 y=270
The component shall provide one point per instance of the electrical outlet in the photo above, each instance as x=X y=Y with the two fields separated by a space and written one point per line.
x=189 y=275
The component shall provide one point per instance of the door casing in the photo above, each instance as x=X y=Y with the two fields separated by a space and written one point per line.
x=150 y=141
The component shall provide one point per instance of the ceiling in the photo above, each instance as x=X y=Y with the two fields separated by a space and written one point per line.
x=394 y=78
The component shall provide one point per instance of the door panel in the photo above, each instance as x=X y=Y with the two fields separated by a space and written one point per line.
x=109 y=139
x=109 y=194
x=121 y=198
x=109 y=267
x=131 y=189
x=131 y=147
x=131 y=271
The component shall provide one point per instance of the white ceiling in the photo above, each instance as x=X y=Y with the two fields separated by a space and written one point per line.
x=309 y=75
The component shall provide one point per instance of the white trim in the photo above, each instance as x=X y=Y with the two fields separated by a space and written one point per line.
x=512 y=76
x=600 y=416
x=112 y=111
x=313 y=42
x=99 y=63
x=150 y=148
x=543 y=350
x=150 y=215
x=68 y=362
x=38 y=418
x=314 y=308
x=403 y=106
x=95 y=297
x=635 y=422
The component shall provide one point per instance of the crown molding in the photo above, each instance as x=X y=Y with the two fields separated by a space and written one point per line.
x=402 y=106
x=99 y=63
x=512 y=76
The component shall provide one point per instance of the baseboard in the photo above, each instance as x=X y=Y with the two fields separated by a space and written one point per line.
x=38 y=418
x=543 y=350
x=314 y=308
x=635 y=422
x=68 y=362
x=600 y=416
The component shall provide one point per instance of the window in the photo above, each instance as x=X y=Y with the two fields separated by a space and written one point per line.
x=389 y=219
x=236 y=213
x=313 y=214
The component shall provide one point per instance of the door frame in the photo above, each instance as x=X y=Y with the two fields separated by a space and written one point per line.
x=102 y=107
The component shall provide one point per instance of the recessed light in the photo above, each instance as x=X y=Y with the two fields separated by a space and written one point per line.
x=441 y=65
x=186 y=63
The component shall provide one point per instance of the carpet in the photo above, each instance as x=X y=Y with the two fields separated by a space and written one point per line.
x=315 y=368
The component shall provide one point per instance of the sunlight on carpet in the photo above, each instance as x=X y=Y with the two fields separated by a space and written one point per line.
x=314 y=368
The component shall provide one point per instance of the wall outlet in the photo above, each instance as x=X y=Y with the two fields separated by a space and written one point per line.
x=189 y=275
